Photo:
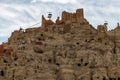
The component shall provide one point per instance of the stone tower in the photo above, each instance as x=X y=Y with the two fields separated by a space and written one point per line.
x=77 y=17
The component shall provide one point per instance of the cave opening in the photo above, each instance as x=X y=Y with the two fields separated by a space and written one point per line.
x=57 y=64
x=49 y=60
x=41 y=34
x=2 y=73
x=77 y=43
x=78 y=64
x=86 y=64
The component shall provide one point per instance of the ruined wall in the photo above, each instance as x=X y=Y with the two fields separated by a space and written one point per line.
x=46 y=23
x=77 y=17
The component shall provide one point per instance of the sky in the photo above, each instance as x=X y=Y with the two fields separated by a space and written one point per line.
x=25 y=13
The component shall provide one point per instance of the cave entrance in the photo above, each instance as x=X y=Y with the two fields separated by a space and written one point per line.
x=2 y=73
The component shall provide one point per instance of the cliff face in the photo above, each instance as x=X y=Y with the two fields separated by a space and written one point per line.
x=70 y=49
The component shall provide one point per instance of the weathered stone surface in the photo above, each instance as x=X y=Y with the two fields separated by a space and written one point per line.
x=70 y=49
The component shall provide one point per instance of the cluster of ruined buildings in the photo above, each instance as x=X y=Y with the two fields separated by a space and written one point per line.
x=67 y=20
x=75 y=49
x=64 y=24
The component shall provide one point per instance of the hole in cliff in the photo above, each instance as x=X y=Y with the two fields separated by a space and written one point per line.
x=55 y=46
x=86 y=64
x=86 y=40
x=79 y=64
x=35 y=71
x=18 y=38
x=97 y=77
x=31 y=59
x=114 y=51
x=15 y=59
x=23 y=48
x=8 y=64
x=40 y=51
x=2 y=73
x=37 y=67
x=41 y=34
x=99 y=39
x=81 y=60
x=15 y=64
x=43 y=39
x=39 y=39
x=49 y=60
x=77 y=43
x=105 y=43
x=5 y=61
x=51 y=37
x=28 y=60
x=57 y=64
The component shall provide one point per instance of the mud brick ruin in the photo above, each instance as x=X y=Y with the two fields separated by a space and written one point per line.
x=68 y=49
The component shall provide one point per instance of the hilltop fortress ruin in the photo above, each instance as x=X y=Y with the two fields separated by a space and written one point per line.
x=67 y=49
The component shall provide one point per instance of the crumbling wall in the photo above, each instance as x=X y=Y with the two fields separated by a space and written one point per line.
x=46 y=23
x=77 y=17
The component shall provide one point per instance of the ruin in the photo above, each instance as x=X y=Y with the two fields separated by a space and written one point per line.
x=77 y=17
x=67 y=49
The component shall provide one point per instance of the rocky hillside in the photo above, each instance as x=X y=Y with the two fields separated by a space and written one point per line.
x=69 y=49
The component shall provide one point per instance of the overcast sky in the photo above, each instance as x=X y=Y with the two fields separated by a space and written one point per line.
x=24 y=13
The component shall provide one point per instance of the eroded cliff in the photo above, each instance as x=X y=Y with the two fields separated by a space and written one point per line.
x=69 y=49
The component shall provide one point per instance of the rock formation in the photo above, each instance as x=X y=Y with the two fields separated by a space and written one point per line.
x=69 y=49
